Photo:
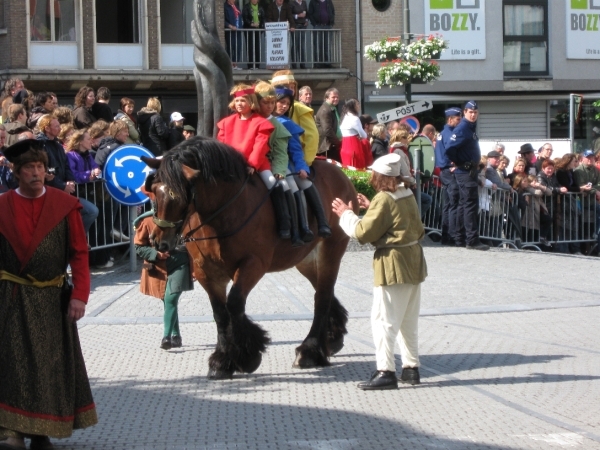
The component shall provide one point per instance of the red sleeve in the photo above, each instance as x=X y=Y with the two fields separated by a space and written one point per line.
x=258 y=157
x=79 y=257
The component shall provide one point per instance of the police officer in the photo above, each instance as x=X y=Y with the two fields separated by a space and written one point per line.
x=463 y=151
x=449 y=186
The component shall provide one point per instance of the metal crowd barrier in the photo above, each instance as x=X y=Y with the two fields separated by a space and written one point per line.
x=575 y=220
x=499 y=219
x=307 y=49
x=432 y=219
x=558 y=221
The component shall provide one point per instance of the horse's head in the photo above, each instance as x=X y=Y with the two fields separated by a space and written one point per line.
x=171 y=206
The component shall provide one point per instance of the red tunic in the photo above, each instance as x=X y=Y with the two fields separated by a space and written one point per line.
x=26 y=221
x=249 y=137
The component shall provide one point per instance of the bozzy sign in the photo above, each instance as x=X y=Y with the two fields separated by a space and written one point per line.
x=462 y=23
x=583 y=29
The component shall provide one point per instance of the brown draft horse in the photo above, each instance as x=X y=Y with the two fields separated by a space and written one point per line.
x=203 y=196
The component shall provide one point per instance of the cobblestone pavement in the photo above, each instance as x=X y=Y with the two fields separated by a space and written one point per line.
x=510 y=353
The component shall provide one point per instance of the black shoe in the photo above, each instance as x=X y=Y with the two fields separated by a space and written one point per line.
x=381 y=379
x=176 y=341
x=410 y=376
x=448 y=242
x=460 y=244
x=41 y=443
x=478 y=246
x=165 y=344
x=314 y=200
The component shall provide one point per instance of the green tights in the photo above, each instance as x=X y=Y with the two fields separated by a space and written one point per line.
x=171 y=317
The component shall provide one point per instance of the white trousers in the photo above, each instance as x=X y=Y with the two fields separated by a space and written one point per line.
x=396 y=310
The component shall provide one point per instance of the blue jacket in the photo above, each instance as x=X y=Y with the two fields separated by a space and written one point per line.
x=441 y=159
x=463 y=145
x=230 y=16
x=295 y=151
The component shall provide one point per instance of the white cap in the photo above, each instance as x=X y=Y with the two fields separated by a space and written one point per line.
x=175 y=117
x=387 y=165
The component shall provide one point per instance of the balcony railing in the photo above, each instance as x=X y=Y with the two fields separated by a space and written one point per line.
x=307 y=49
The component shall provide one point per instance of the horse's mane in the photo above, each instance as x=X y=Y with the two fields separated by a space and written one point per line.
x=214 y=160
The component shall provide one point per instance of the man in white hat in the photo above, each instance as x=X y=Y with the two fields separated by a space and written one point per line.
x=176 y=130
x=393 y=225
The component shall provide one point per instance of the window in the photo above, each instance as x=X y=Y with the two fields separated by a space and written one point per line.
x=381 y=5
x=2 y=24
x=175 y=21
x=117 y=22
x=525 y=37
x=52 y=20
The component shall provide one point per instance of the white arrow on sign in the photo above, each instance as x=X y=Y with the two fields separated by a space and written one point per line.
x=403 y=111
x=127 y=192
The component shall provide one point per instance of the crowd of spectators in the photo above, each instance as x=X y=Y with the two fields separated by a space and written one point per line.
x=244 y=38
x=78 y=142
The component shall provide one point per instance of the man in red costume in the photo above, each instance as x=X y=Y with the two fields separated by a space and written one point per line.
x=44 y=387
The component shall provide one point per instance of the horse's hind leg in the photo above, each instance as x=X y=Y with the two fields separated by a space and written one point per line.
x=249 y=341
x=326 y=336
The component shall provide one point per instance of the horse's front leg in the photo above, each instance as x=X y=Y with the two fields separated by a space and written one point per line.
x=249 y=341
x=220 y=363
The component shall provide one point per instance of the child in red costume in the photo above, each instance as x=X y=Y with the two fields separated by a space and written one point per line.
x=248 y=132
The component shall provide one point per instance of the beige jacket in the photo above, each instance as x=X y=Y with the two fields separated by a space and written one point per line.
x=392 y=224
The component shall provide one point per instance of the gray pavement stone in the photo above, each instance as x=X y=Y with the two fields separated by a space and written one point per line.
x=510 y=355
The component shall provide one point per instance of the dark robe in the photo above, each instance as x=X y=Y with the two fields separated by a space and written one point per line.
x=44 y=387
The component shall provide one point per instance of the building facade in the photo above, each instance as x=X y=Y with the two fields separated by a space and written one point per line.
x=519 y=58
x=142 y=48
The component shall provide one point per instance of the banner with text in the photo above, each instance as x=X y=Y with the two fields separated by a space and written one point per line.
x=277 y=45
x=583 y=29
x=461 y=23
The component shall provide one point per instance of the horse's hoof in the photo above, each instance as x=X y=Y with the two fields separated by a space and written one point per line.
x=251 y=365
x=336 y=346
x=214 y=374
x=303 y=362
x=309 y=357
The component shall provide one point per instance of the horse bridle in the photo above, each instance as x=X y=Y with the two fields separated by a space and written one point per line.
x=189 y=238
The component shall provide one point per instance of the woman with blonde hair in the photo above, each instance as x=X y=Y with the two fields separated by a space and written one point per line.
x=154 y=132
x=118 y=132
x=399 y=145
x=66 y=130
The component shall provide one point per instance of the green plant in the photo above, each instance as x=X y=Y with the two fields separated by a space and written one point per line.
x=386 y=49
x=430 y=47
x=597 y=105
x=360 y=180
x=405 y=64
x=398 y=72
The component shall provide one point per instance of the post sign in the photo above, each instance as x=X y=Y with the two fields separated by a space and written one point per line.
x=461 y=23
x=125 y=174
x=583 y=29
x=277 y=45
x=403 y=111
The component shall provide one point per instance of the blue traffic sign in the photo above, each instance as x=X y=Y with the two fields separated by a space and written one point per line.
x=125 y=174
